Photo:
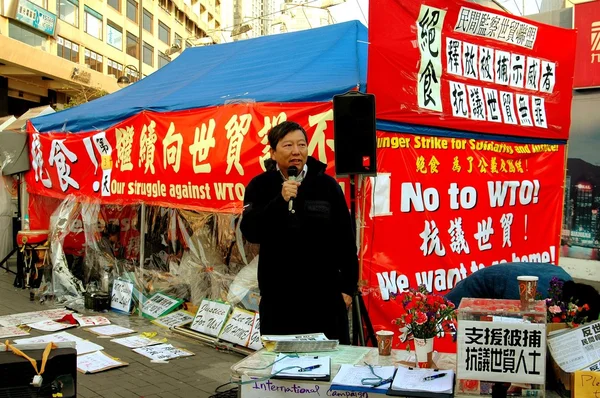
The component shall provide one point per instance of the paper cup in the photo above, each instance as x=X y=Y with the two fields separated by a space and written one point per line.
x=527 y=289
x=384 y=342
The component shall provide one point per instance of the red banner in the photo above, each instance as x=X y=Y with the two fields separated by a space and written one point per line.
x=587 y=60
x=199 y=159
x=445 y=207
x=459 y=65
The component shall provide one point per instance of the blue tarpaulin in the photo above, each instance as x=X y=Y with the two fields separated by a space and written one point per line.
x=306 y=66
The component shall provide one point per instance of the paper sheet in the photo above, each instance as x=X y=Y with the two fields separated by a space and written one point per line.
x=82 y=346
x=352 y=376
x=110 y=330
x=413 y=380
x=177 y=318
x=92 y=320
x=135 y=341
x=12 y=331
x=97 y=362
x=163 y=352
x=50 y=326
x=287 y=365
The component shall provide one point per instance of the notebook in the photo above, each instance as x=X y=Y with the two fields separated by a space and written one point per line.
x=362 y=378
x=419 y=382
x=307 y=367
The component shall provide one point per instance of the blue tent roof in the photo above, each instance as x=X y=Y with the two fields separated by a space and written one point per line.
x=305 y=66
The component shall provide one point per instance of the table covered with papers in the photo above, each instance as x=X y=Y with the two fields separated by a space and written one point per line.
x=256 y=371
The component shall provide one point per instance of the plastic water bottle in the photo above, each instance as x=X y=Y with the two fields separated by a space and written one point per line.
x=26 y=222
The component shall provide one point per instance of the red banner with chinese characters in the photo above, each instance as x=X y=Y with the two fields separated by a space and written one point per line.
x=445 y=207
x=459 y=65
x=587 y=60
x=200 y=159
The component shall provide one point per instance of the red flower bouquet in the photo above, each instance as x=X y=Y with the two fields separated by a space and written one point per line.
x=425 y=314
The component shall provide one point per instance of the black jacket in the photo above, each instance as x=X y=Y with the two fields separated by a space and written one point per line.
x=307 y=258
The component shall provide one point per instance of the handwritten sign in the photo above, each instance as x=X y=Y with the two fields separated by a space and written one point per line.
x=121 y=295
x=97 y=362
x=587 y=384
x=33 y=317
x=92 y=320
x=274 y=388
x=163 y=352
x=210 y=317
x=50 y=326
x=82 y=346
x=110 y=330
x=12 y=331
x=135 y=341
x=238 y=327
x=177 y=318
x=255 y=343
x=158 y=305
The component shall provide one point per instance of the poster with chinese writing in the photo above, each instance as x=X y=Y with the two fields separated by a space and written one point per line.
x=505 y=352
x=587 y=61
x=200 y=159
x=459 y=65
x=442 y=208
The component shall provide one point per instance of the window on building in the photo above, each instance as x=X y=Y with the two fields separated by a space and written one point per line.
x=41 y=3
x=189 y=25
x=93 y=60
x=166 y=5
x=116 y=4
x=133 y=75
x=114 y=68
x=132 y=45
x=178 y=40
x=180 y=14
x=148 y=54
x=68 y=11
x=92 y=23
x=25 y=34
x=148 y=21
x=164 y=33
x=132 y=10
x=114 y=35
x=67 y=49
x=162 y=60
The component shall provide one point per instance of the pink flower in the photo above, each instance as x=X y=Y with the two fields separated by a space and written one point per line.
x=421 y=318
x=554 y=309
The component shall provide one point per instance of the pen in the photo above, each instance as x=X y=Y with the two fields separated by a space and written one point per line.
x=306 y=369
x=433 y=377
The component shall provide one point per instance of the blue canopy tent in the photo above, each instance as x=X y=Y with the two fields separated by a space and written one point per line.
x=305 y=66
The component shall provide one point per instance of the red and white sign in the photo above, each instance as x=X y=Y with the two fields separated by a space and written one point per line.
x=458 y=65
x=445 y=207
x=587 y=60
x=200 y=159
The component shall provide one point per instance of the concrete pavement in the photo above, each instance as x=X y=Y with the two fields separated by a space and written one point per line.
x=195 y=376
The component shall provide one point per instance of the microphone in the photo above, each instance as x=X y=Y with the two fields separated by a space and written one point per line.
x=292 y=174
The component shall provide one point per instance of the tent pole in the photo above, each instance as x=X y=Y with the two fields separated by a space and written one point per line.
x=142 y=255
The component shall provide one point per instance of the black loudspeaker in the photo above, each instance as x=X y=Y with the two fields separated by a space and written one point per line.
x=354 y=134
x=60 y=374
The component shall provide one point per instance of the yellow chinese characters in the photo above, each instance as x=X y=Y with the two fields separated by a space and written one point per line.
x=147 y=147
x=236 y=131
x=124 y=143
x=203 y=140
x=263 y=134
x=172 y=148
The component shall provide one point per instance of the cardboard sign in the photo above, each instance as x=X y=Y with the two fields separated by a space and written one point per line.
x=255 y=343
x=159 y=305
x=238 y=327
x=177 y=318
x=121 y=295
x=210 y=317
x=586 y=384
x=163 y=352
x=97 y=362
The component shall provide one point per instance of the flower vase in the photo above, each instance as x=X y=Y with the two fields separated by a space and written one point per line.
x=423 y=352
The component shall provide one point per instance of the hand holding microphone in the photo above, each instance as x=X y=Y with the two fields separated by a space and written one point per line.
x=289 y=189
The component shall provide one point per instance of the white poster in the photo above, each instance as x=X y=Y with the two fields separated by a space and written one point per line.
x=524 y=110
x=476 y=103
x=539 y=112
x=110 y=330
x=576 y=349
x=210 y=317
x=33 y=317
x=122 y=292
x=177 y=318
x=470 y=58
x=502 y=67
x=255 y=343
x=159 y=305
x=532 y=81
x=91 y=320
x=458 y=99
x=429 y=41
x=501 y=351
x=492 y=105
x=454 y=56
x=238 y=327
x=517 y=70
x=82 y=346
x=486 y=64
x=163 y=352
x=12 y=331
x=136 y=341
x=50 y=326
x=548 y=77
x=97 y=362
x=508 y=107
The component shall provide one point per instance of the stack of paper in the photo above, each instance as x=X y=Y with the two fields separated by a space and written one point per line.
x=299 y=343
x=419 y=382
x=363 y=378
x=301 y=367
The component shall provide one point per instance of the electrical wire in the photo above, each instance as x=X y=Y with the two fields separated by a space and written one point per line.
x=361 y=11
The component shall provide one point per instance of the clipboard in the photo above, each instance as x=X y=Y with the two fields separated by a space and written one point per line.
x=350 y=378
x=420 y=393
x=289 y=368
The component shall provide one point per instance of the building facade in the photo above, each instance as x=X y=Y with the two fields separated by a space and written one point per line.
x=50 y=49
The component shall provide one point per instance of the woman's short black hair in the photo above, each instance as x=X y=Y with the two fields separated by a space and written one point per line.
x=277 y=133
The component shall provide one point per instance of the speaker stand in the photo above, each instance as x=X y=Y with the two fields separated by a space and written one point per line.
x=360 y=315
